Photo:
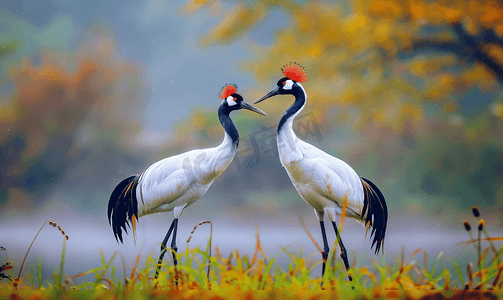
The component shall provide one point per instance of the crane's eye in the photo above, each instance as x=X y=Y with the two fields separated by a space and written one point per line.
x=283 y=83
x=235 y=99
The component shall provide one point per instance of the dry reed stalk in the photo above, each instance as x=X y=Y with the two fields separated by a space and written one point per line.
x=209 y=252
x=53 y=224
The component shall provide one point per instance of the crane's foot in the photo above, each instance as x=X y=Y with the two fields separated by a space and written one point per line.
x=344 y=256
x=324 y=255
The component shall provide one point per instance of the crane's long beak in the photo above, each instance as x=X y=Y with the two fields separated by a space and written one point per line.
x=252 y=108
x=273 y=92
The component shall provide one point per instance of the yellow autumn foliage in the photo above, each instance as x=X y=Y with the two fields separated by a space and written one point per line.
x=384 y=58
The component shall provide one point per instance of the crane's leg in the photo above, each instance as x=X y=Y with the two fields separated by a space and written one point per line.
x=344 y=254
x=324 y=254
x=173 y=242
x=163 y=247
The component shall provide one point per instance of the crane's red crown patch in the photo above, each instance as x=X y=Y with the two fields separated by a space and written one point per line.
x=294 y=71
x=228 y=90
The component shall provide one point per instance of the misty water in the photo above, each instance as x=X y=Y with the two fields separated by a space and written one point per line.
x=89 y=235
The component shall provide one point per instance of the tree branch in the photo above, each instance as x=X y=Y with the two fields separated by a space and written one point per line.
x=475 y=44
x=453 y=47
x=492 y=37
x=466 y=47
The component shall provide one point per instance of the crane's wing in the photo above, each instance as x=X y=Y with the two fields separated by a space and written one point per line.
x=173 y=177
x=334 y=180
x=364 y=198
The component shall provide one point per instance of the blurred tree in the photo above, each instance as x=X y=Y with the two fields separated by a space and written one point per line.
x=68 y=107
x=413 y=76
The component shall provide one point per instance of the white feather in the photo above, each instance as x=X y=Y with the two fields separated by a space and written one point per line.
x=178 y=181
x=288 y=85
x=230 y=101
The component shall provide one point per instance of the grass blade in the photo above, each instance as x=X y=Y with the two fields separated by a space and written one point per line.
x=266 y=273
x=458 y=271
x=39 y=272
x=432 y=273
x=61 y=267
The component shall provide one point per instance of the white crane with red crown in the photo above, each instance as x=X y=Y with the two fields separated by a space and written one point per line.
x=176 y=182
x=322 y=180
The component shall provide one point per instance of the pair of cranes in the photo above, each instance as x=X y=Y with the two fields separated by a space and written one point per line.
x=322 y=180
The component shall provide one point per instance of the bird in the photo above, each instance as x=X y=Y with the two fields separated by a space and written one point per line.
x=322 y=180
x=174 y=183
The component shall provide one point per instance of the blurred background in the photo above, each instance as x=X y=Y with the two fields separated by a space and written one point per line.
x=407 y=93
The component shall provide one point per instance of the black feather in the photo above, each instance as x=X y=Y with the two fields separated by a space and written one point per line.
x=123 y=205
x=374 y=213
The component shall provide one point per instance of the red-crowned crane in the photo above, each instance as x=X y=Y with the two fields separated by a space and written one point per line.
x=176 y=182
x=322 y=180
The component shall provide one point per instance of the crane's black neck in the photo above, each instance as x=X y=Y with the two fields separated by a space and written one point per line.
x=300 y=100
x=229 y=126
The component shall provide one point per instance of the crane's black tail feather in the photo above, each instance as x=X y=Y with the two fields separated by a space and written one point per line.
x=375 y=213
x=123 y=206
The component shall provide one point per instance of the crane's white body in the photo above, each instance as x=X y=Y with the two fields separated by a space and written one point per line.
x=323 y=181
x=320 y=179
x=178 y=181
